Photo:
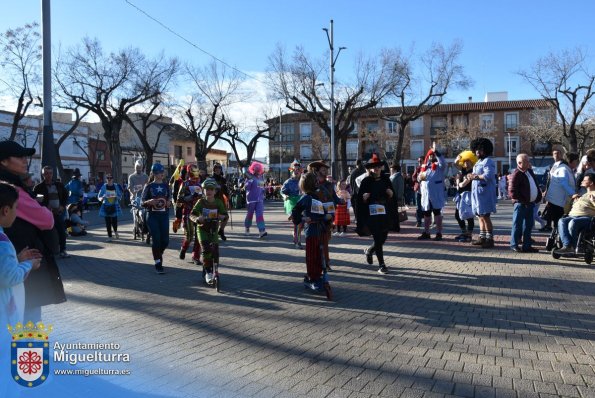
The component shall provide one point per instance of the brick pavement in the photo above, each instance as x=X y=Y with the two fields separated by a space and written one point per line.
x=448 y=320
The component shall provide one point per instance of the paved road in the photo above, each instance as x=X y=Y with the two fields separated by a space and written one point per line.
x=448 y=320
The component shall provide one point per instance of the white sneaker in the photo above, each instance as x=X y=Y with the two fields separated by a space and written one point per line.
x=336 y=233
x=117 y=235
x=262 y=235
x=341 y=233
x=247 y=233
x=209 y=277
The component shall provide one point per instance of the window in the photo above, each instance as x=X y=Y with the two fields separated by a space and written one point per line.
x=287 y=153
x=306 y=151
x=76 y=149
x=305 y=131
x=439 y=124
x=189 y=151
x=460 y=122
x=392 y=127
x=511 y=121
x=287 y=132
x=416 y=127
x=372 y=127
x=486 y=122
x=355 y=131
x=100 y=154
x=352 y=149
x=417 y=149
x=511 y=147
x=178 y=151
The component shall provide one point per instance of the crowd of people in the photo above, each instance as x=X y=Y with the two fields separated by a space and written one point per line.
x=35 y=219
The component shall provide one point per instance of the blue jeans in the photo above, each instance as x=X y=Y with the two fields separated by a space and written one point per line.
x=419 y=211
x=522 y=224
x=158 y=223
x=570 y=227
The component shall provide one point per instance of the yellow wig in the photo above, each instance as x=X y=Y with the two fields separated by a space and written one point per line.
x=466 y=156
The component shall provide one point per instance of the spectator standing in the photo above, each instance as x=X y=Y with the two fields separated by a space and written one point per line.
x=525 y=193
x=75 y=188
x=561 y=186
x=54 y=198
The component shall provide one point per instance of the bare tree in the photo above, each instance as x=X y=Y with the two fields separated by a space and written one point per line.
x=245 y=142
x=426 y=82
x=77 y=120
x=20 y=53
x=109 y=86
x=298 y=83
x=563 y=80
x=204 y=114
x=460 y=131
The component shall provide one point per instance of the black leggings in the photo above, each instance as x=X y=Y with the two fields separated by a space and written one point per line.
x=470 y=222
x=376 y=247
x=111 y=222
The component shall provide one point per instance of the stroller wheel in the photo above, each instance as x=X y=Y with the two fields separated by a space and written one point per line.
x=588 y=257
x=555 y=255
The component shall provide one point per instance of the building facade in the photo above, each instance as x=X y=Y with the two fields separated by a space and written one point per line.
x=449 y=126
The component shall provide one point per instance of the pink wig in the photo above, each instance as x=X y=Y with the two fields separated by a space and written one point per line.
x=256 y=168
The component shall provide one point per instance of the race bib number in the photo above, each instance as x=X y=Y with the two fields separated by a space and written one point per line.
x=329 y=207
x=377 y=210
x=138 y=188
x=210 y=214
x=317 y=207
x=110 y=194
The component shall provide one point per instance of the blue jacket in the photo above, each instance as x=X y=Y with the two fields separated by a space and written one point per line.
x=110 y=200
x=75 y=190
x=303 y=208
x=483 y=192
x=433 y=187
x=12 y=273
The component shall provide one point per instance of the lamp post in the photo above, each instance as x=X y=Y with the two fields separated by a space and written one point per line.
x=333 y=61
x=48 y=148
x=280 y=155
x=509 y=154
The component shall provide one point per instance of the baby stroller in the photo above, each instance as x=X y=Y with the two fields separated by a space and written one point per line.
x=585 y=246
x=138 y=213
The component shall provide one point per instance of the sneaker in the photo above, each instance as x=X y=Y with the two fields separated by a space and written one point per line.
x=209 y=276
x=488 y=244
x=298 y=246
x=197 y=261
x=64 y=254
x=159 y=268
x=564 y=250
x=424 y=236
x=222 y=235
x=117 y=235
x=369 y=257
x=479 y=241
x=182 y=254
x=341 y=233
x=262 y=235
x=438 y=237
x=247 y=232
x=382 y=269
x=335 y=234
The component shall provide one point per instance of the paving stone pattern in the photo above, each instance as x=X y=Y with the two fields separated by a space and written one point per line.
x=448 y=320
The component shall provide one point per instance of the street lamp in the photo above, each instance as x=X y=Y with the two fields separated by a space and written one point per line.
x=333 y=61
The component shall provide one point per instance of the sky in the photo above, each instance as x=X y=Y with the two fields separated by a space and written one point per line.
x=499 y=37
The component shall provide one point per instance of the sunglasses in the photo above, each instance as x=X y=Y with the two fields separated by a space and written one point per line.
x=110 y=178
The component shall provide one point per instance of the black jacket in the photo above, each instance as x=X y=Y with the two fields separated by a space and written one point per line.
x=42 y=189
x=519 y=189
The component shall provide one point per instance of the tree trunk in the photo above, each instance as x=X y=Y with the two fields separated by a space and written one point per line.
x=398 y=155
x=343 y=150
x=572 y=141
x=112 y=137
x=60 y=166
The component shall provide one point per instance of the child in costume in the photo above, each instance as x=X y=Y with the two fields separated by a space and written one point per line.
x=311 y=211
x=463 y=211
x=156 y=198
x=189 y=193
x=78 y=226
x=13 y=269
x=291 y=195
x=342 y=218
x=255 y=198
x=207 y=213
x=223 y=194
x=175 y=182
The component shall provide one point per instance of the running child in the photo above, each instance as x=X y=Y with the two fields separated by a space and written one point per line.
x=156 y=199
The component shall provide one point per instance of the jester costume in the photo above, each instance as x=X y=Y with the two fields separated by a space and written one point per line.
x=212 y=213
x=190 y=192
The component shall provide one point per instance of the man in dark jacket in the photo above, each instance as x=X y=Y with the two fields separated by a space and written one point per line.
x=524 y=192
x=55 y=197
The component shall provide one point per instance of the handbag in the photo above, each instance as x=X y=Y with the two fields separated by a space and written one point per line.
x=402 y=215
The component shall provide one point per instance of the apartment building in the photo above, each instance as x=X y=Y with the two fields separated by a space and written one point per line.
x=448 y=126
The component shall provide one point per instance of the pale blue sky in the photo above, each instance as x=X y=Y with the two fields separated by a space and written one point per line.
x=499 y=37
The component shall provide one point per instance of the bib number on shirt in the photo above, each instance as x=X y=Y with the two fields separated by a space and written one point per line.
x=210 y=214
x=317 y=207
x=329 y=207
x=377 y=210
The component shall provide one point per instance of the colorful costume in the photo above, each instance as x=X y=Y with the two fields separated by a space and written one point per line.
x=433 y=194
x=189 y=193
x=291 y=195
x=207 y=230
x=222 y=194
x=255 y=198
x=158 y=216
x=342 y=214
